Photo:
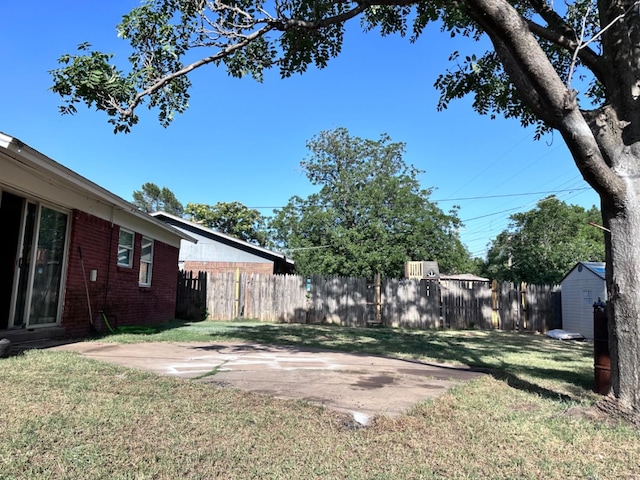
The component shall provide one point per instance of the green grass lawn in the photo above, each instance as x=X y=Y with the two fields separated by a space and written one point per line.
x=64 y=416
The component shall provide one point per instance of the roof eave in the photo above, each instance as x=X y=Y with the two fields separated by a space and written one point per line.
x=21 y=152
x=210 y=231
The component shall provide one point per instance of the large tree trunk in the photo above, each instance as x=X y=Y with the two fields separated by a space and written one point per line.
x=605 y=144
x=623 y=290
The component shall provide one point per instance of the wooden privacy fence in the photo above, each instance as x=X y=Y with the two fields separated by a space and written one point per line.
x=263 y=297
x=191 y=296
x=459 y=304
x=408 y=303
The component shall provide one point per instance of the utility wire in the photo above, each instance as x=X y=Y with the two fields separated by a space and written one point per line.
x=481 y=197
x=476 y=250
x=528 y=135
x=484 y=197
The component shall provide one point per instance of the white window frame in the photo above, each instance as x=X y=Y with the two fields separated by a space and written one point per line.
x=146 y=264
x=128 y=248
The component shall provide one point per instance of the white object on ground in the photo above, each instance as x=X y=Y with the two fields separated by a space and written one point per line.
x=361 y=418
x=564 y=335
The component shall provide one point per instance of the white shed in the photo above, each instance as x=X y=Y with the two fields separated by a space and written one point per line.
x=581 y=288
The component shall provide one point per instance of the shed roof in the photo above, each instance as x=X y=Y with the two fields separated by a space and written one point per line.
x=597 y=268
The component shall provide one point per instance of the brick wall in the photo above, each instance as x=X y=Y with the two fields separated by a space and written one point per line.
x=221 y=267
x=116 y=290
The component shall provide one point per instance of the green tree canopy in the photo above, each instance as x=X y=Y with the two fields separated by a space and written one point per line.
x=232 y=218
x=152 y=198
x=370 y=214
x=541 y=245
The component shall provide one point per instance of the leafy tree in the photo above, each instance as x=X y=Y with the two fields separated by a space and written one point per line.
x=370 y=214
x=542 y=53
x=232 y=218
x=540 y=246
x=153 y=199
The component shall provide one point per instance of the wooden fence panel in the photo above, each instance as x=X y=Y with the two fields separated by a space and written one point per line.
x=220 y=295
x=411 y=303
x=452 y=305
x=508 y=306
x=191 y=296
x=341 y=300
x=272 y=297
x=293 y=299
x=527 y=307
x=433 y=308
x=466 y=304
x=540 y=307
x=405 y=303
x=399 y=305
x=256 y=297
x=482 y=304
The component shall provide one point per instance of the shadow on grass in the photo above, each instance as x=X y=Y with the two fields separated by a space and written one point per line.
x=509 y=357
x=518 y=359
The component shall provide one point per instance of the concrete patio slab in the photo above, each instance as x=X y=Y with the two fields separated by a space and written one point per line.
x=363 y=385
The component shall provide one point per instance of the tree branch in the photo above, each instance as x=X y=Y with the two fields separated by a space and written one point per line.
x=325 y=22
x=553 y=19
x=225 y=52
x=360 y=7
x=611 y=23
x=270 y=23
x=541 y=86
x=591 y=59
x=580 y=45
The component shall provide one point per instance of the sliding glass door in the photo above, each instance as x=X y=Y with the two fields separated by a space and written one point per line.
x=22 y=287
x=38 y=285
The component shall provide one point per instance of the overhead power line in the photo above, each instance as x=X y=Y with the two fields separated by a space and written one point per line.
x=490 y=214
x=483 y=197
x=511 y=195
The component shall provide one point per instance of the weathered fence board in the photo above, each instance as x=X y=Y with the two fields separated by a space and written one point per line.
x=411 y=303
x=508 y=306
x=341 y=300
x=191 y=296
x=262 y=297
x=408 y=303
x=540 y=305
x=466 y=304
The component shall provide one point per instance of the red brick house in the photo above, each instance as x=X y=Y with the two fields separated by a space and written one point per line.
x=73 y=253
x=216 y=252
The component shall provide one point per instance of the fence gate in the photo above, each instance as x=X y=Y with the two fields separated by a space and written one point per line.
x=191 y=299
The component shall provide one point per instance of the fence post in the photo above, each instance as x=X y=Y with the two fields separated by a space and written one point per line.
x=378 y=299
x=495 y=317
x=236 y=305
x=524 y=316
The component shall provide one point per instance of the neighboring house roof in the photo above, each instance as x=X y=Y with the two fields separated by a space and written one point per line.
x=39 y=165
x=597 y=268
x=195 y=228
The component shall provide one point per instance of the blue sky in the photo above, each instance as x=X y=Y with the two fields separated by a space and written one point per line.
x=243 y=141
